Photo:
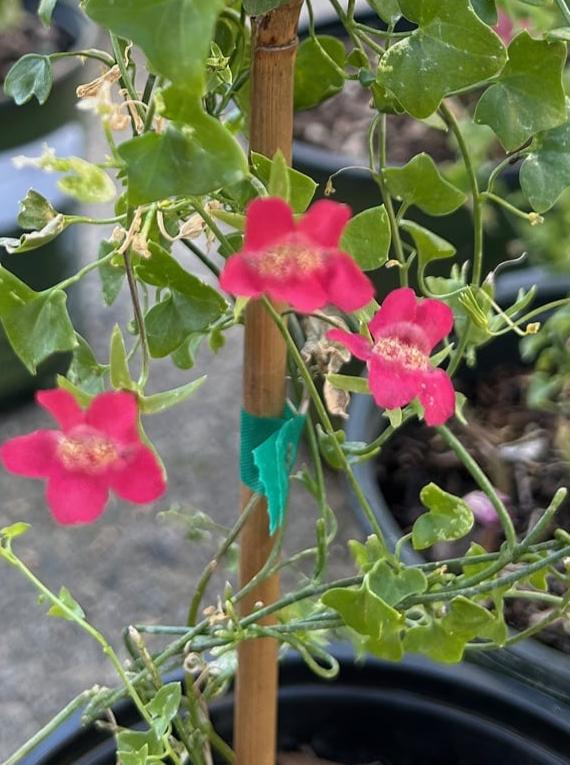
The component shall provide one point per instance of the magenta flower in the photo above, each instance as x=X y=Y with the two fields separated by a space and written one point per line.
x=504 y=27
x=95 y=450
x=405 y=330
x=297 y=263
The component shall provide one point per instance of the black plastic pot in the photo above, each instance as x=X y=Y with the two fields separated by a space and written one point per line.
x=413 y=713
x=543 y=666
x=357 y=188
x=25 y=131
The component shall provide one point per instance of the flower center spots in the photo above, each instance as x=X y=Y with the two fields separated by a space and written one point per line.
x=87 y=453
x=288 y=258
x=395 y=350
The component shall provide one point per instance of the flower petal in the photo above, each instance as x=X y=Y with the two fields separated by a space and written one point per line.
x=392 y=385
x=398 y=306
x=62 y=406
x=141 y=479
x=436 y=320
x=356 y=344
x=267 y=221
x=324 y=222
x=437 y=396
x=32 y=455
x=304 y=295
x=115 y=414
x=238 y=278
x=75 y=498
x=347 y=287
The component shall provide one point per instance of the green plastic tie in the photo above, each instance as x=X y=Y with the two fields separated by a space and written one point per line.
x=268 y=452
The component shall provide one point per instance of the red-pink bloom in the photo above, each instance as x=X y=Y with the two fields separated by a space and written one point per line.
x=297 y=263
x=95 y=450
x=405 y=330
x=504 y=27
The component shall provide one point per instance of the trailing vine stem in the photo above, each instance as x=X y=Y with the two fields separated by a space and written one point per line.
x=324 y=418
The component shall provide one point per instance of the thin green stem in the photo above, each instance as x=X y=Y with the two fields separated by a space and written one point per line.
x=139 y=320
x=202 y=257
x=78 y=703
x=73 y=615
x=477 y=207
x=126 y=80
x=484 y=484
x=65 y=283
x=212 y=225
x=218 y=557
x=506 y=205
x=93 y=53
x=564 y=10
x=324 y=417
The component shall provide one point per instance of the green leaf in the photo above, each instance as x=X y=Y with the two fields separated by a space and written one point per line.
x=421 y=184
x=367 y=555
x=184 y=160
x=257 y=7
x=36 y=323
x=466 y=619
x=393 y=587
x=134 y=747
x=545 y=172
x=35 y=239
x=367 y=238
x=190 y=307
x=15 y=530
x=160 y=402
x=528 y=96
x=69 y=602
x=433 y=641
x=316 y=78
x=363 y=610
x=279 y=185
x=486 y=10
x=45 y=11
x=85 y=373
x=112 y=275
x=301 y=187
x=35 y=211
x=83 y=180
x=164 y=707
x=450 y=50
x=449 y=518
x=31 y=76
x=429 y=246
x=174 y=34
x=388 y=10
x=119 y=369
x=349 y=383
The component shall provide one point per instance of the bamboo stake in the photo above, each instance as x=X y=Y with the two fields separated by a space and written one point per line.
x=274 y=44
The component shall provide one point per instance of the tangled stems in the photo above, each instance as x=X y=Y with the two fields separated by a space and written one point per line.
x=324 y=417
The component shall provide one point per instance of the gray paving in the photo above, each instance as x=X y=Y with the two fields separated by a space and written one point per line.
x=131 y=566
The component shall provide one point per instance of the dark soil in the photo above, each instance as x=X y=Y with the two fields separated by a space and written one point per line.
x=341 y=124
x=29 y=36
x=519 y=450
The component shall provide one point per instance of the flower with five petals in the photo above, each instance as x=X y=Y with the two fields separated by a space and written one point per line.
x=405 y=331
x=96 y=450
x=299 y=263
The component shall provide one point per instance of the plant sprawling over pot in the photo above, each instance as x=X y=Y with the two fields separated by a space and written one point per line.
x=181 y=179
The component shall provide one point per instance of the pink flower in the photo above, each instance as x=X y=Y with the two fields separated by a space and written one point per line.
x=504 y=28
x=482 y=507
x=297 y=263
x=95 y=450
x=405 y=331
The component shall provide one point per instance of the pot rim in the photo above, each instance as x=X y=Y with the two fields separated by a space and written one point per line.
x=461 y=689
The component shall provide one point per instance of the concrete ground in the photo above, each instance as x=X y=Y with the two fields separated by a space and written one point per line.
x=132 y=565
